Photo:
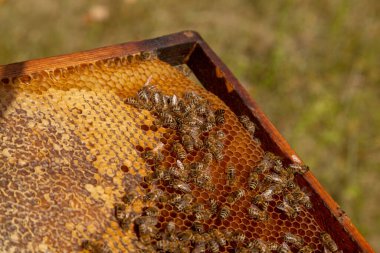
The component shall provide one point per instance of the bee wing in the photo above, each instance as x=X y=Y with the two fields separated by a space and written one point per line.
x=174 y=100
x=180 y=165
x=148 y=80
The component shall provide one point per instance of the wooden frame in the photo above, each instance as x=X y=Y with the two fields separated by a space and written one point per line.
x=189 y=48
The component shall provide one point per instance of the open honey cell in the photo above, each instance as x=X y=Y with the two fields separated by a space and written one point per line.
x=152 y=146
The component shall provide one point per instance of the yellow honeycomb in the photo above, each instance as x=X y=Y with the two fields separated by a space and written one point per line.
x=71 y=148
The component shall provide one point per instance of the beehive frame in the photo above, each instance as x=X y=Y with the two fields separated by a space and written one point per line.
x=189 y=48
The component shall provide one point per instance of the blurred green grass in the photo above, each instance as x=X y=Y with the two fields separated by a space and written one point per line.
x=311 y=65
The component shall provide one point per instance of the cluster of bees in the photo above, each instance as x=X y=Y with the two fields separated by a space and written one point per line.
x=272 y=177
x=192 y=117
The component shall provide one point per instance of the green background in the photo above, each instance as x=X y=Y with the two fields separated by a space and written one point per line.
x=312 y=66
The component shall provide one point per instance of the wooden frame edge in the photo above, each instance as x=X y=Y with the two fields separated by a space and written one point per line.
x=170 y=42
x=231 y=82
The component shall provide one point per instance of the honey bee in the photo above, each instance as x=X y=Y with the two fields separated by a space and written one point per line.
x=165 y=245
x=186 y=235
x=180 y=165
x=191 y=97
x=148 y=155
x=207 y=159
x=201 y=109
x=198 y=143
x=204 y=181
x=184 y=203
x=95 y=247
x=157 y=99
x=228 y=233
x=210 y=116
x=257 y=214
x=238 y=236
x=217 y=153
x=199 y=247
x=298 y=168
x=214 y=246
x=287 y=209
x=129 y=198
x=305 y=249
x=198 y=207
x=268 y=193
x=290 y=184
x=184 y=107
x=283 y=248
x=179 y=151
x=155 y=156
x=302 y=198
x=219 y=237
x=213 y=206
x=273 y=246
x=175 y=172
x=167 y=118
x=217 y=144
x=157 y=123
x=207 y=126
x=224 y=212
x=165 y=99
x=147 y=220
x=198 y=227
x=261 y=202
x=173 y=101
x=266 y=163
x=278 y=166
x=170 y=227
x=143 y=94
x=120 y=213
x=187 y=142
x=127 y=220
x=145 y=232
x=175 y=198
x=203 y=215
x=243 y=118
x=197 y=167
x=152 y=211
x=209 y=141
x=248 y=124
x=220 y=135
x=133 y=102
x=158 y=174
x=235 y=196
x=295 y=240
x=328 y=242
x=231 y=174
x=253 y=180
x=275 y=179
x=192 y=119
x=179 y=185
x=260 y=246
x=219 y=117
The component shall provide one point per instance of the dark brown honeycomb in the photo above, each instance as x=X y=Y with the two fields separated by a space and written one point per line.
x=71 y=148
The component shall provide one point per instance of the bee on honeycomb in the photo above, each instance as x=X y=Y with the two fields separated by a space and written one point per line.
x=134 y=148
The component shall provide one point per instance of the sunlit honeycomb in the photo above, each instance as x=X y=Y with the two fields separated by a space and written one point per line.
x=71 y=148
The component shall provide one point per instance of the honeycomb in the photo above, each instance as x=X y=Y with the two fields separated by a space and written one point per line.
x=72 y=150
